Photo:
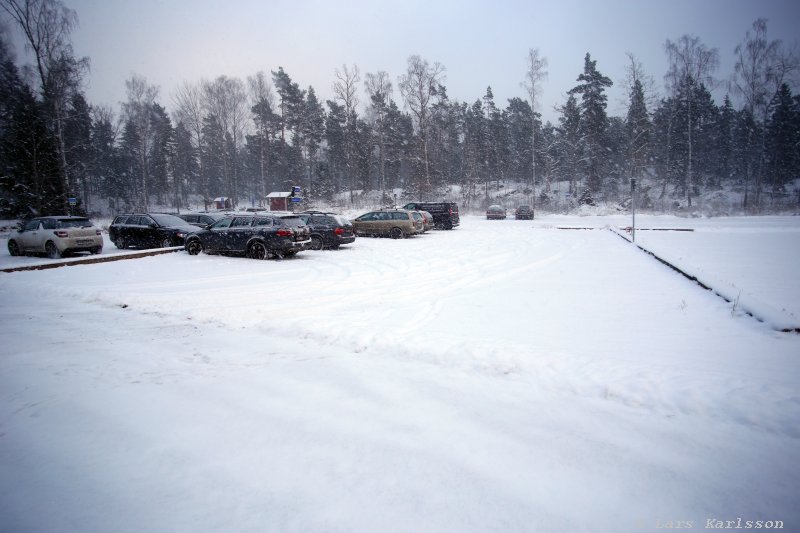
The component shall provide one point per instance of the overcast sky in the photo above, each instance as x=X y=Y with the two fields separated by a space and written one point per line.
x=480 y=43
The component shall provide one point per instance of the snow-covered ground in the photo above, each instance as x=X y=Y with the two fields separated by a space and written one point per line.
x=505 y=376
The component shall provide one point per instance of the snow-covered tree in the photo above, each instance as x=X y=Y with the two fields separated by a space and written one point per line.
x=594 y=121
x=691 y=64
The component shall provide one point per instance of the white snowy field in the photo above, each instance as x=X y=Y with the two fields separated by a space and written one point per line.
x=504 y=376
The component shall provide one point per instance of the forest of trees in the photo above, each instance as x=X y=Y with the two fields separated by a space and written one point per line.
x=245 y=138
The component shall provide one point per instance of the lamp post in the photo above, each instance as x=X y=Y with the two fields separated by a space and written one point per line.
x=633 y=209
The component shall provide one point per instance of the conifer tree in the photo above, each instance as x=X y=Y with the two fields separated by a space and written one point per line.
x=783 y=139
x=570 y=142
x=593 y=121
x=638 y=132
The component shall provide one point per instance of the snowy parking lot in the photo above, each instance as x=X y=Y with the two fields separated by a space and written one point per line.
x=504 y=376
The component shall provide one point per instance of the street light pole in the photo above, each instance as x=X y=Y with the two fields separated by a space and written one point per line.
x=633 y=209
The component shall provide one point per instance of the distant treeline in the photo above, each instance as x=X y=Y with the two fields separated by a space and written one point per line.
x=244 y=139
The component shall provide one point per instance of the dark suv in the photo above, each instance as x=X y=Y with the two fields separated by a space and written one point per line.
x=445 y=214
x=148 y=230
x=328 y=230
x=258 y=235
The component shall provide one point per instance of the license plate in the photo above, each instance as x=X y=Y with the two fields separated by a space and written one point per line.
x=84 y=242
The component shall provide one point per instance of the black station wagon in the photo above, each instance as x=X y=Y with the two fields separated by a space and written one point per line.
x=257 y=235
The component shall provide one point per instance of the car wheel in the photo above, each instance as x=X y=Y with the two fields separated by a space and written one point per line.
x=51 y=250
x=316 y=243
x=120 y=243
x=166 y=242
x=13 y=248
x=194 y=247
x=397 y=233
x=257 y=250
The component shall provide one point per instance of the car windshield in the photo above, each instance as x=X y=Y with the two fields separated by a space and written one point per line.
x=74 y=223
x=344 y=221
x=168 y=220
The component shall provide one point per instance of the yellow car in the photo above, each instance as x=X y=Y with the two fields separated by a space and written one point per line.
x=395 y=223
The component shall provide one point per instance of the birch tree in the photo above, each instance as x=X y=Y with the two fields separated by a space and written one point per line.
x=226 y=99
x=690 y=63
x=379 y=89
x=761 y=68
x=262 y=101
x=638 y=119
x=46 y=26
x=419 y=86
x=534 y=76
x=138 y=111
x=345 y=91
x=189 y=110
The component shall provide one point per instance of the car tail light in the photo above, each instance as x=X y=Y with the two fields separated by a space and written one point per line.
x=99 y=232
x=284 y=232
x=339 y=231
x=62 y=234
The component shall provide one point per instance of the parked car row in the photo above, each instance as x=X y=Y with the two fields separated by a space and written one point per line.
x=498 y=212
x=259 y=234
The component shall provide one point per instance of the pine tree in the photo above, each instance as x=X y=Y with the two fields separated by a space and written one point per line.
x=104 y=165
x=476 y=150
x=291 y=109
x=267 y=125
x=77 y=139
x=399 y=146
x=783 y=140
x=519 y=120
x=638 y=132
x=493 y=131
x=313 y=130
x=161 y=152
x=594 y=121
x=29 y=167
x=724 y=145
x=335 y=124
x=213 y=156
x=571 y=148
x=185 y=164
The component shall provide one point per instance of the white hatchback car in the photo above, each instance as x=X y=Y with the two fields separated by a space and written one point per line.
x=56 y=236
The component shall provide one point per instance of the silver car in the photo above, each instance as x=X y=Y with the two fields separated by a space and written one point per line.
x=56 y=236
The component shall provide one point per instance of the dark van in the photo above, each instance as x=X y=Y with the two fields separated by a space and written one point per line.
x=445 y=214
